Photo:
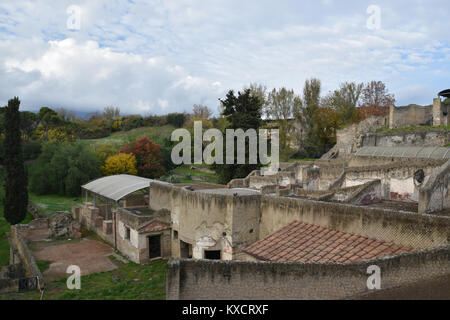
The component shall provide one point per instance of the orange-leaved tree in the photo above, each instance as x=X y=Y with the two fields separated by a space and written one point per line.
x=121 y=163
x=150 y=163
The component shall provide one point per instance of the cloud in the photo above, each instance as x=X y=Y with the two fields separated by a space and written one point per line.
x=165 y=56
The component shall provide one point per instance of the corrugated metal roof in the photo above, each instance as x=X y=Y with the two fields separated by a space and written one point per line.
x=117 y=187
x=406 y=152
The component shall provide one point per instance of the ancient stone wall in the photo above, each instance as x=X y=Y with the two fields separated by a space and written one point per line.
x=412 y=115
x=408 y=229
x=434 y=195
x=244 y=280
x=19 y=245
x=431 y=138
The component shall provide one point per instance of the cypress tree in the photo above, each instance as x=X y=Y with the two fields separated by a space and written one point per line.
x=16 y=193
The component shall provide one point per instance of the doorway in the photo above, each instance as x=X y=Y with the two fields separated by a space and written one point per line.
x=185 y=250
x=154 y=247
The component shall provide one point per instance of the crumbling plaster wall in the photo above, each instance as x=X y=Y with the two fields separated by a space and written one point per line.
x=208 y=221
x=434 y=194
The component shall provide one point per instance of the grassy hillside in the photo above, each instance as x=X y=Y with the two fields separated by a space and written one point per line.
x=157 y=134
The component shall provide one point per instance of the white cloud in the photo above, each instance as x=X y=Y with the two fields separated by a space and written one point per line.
x=164 y=56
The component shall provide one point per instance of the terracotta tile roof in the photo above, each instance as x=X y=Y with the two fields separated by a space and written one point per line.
x=302 y=242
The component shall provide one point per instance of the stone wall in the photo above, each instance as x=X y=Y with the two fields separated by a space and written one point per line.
x=19 y=246
x=397 y=178
x=412 y=115
x=431 y=138
x=349 y=140
x=244 y=280
x=408 y=229
x=434 y=195
x=208 y=221
x=136 y=246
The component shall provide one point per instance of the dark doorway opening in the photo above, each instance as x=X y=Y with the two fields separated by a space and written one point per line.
x=185 y=250
x=212 y=254
x=154 y=246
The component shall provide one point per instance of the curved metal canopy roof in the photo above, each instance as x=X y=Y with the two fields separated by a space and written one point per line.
x=117 y=187
x=445 y=93
x=406 y=152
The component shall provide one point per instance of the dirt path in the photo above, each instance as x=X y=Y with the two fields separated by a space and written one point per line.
x=90 y=255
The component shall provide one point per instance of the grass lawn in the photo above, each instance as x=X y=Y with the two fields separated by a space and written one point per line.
x=53 y=203
x=129 y=282
x=185 y=169
x=157 y=134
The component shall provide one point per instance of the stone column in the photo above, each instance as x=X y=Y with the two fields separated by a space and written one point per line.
x=437 y=112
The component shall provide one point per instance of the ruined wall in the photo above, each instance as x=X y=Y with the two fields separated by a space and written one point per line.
x=434 y=195
x=397 y=179
x=431 y=138
x=441 y=116
x=244 y=280
x=19 y=246
x=408 y=229
x=90 y=216
x=412 y=115
x=208 y=221
x=349 y=140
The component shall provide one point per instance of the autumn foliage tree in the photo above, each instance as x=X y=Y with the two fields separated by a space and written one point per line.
x=150 y=163
x=121 y=163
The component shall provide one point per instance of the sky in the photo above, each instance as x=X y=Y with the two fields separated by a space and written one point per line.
x=157 y=57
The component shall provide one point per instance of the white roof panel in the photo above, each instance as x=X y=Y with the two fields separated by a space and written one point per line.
x=117 y=187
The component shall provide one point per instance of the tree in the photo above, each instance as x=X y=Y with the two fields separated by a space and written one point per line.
x=66 y=115
x=48 y=118
x=344 y=101
x=111 y=112
x=105 y=151
x=150 y=163
x=16 y=193
x=309 y=116
x=62 y=168
x=28 y=123
x=201 y=111
x=242 y=112
x=283 y=106
x=259 y=91
x=176 y=119
x=121 y=163
x=376 y=94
